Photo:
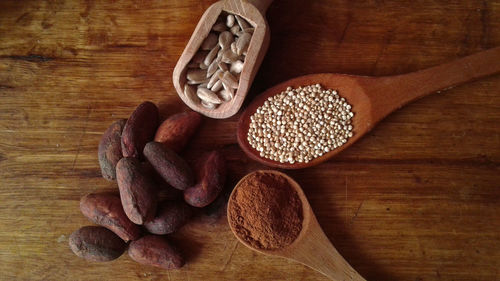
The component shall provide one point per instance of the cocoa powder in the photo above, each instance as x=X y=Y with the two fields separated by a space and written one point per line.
x=265 y=211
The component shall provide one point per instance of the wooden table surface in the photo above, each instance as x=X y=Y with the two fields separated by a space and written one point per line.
x=416 y=199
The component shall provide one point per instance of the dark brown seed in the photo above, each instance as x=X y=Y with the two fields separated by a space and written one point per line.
x=173 y=169
x=156 y=251
x=106 y=209
x=110 y=149
x=211 y=175
x=139 y=129
x=177 y=130
x=169 y=218
x=137 y=191
x=96 y=243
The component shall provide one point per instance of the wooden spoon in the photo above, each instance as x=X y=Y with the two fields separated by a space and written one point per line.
x=311 y=248
x=373 y=98
x=251 y=10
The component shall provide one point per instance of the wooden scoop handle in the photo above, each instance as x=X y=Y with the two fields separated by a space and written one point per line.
x=390 y=93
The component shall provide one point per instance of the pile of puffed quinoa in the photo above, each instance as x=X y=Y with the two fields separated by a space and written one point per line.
x=300 y=124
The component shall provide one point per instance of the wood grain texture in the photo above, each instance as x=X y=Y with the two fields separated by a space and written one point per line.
x=415 y=199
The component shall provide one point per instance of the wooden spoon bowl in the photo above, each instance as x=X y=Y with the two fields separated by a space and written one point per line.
x=373 y=98
x=311 y=247
x=253 y=11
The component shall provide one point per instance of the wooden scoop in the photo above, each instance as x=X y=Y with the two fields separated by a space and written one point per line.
x=312 y=247
x=251 y=10
x=373 y=98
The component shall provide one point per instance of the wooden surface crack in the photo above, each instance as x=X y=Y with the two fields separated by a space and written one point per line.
x=236 y=242
x=30 y=58
x=357 y=212
x=344 y=31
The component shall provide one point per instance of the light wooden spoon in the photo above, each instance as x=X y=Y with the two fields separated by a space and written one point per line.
x=251 y=10
x=373 y=98
x=311 y=247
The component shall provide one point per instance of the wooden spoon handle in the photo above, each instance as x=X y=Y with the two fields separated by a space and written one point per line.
x=391 y=93
x=262 y=5
x=318 y=253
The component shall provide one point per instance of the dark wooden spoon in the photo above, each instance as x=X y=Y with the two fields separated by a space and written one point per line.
x=373 y=98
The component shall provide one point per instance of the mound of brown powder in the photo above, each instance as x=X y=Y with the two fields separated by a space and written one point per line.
x=266 y=211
